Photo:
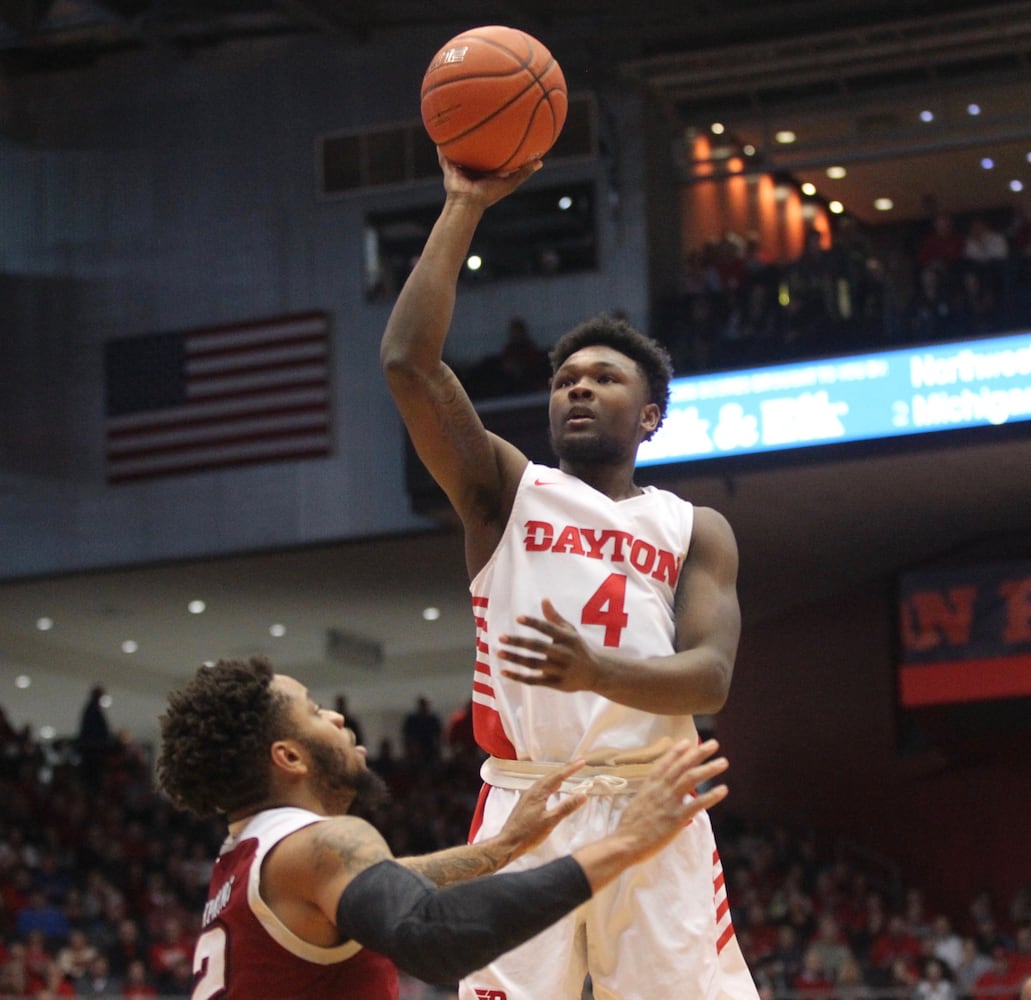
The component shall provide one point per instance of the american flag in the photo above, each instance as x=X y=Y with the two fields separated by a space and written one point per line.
x=217 y=397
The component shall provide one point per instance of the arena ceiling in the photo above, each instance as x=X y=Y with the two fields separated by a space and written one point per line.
x=856 y=81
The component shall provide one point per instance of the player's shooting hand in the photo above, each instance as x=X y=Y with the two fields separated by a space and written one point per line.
x=486 y=189
x=559 y=658
x=531 y=820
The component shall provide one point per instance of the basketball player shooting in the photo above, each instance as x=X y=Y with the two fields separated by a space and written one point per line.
x=606 y=618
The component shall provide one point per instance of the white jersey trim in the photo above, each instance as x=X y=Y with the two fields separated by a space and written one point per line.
x=269 y=828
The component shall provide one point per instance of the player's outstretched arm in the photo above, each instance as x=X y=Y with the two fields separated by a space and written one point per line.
x=665 y=803
x=527 y=826
x=441 y=935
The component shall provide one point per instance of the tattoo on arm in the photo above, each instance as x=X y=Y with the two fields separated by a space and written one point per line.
x=457 y=864
x=353 y=846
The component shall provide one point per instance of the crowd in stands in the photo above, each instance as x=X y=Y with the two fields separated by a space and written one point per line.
x=102 y=884
x=862 y=289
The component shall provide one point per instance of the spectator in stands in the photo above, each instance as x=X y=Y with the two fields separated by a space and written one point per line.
x=42 y=915
x=901 y=981
x=942 y=247
x=762 y=930
x=831 y=944
x=37 y=957
x=55 y=984
x=1000 y=981
x=98 y=981
x=350 y=719
x=813 y=981
x=931 y=314
x=128 y=947
x=1020 y=906
x=520 y=366
x=972 y=966
x=94 y=741
x=851 y=982
x=75 y=958
x=173 y=943
x=990 y=937
x=137 y=985
x=895 y=944
x=977 y=304
x=984 y=245
x=1020 y=958
x=422 y=732
x=944 y=943
x=812 y=306
x=986 y=253
x=178 y=981
x=785 y=961
x=524 y=365
x=917 y=922
x=14 y=980
x=934 y=984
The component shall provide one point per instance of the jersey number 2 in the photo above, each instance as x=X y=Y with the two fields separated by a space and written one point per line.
x=209 y=964
x=607 y=607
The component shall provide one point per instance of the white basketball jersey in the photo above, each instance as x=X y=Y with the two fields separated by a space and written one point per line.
x=611 y=569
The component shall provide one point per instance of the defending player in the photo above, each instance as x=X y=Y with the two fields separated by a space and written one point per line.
x=307 y=901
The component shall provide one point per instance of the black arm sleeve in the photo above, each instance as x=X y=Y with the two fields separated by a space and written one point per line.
x=441 y=935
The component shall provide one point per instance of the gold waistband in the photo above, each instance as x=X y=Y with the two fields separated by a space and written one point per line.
x=599 y=779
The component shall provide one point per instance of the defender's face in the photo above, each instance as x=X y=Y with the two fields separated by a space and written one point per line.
x=338 y=765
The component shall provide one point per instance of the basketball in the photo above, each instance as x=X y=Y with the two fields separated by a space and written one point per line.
x=494 y=98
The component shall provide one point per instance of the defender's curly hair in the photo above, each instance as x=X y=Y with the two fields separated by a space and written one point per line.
x=650 y=356
x=215 y=737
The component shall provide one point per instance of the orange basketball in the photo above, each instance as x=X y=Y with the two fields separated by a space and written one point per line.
x=494 y=98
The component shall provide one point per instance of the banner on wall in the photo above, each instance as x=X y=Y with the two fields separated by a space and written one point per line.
x=219 y=397
x=965 y=634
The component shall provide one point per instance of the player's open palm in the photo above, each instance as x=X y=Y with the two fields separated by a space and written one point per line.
x=666 y=801
x=532 y=820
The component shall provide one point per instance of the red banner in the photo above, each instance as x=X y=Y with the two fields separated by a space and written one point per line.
x=965 y=634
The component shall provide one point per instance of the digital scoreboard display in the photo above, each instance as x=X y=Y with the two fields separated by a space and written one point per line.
x=861 y=397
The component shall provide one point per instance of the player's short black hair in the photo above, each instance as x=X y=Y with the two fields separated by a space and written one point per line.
x=215 y=736
x=611 y=331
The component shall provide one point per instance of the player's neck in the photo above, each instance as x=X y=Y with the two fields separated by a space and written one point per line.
x=616 y=482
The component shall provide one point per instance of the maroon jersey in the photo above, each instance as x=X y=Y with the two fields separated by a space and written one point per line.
x=245 y=952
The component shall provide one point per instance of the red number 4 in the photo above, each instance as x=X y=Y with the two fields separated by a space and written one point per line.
x=606 y=607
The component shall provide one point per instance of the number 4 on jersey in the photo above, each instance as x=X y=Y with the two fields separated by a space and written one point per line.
x=606 y=607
